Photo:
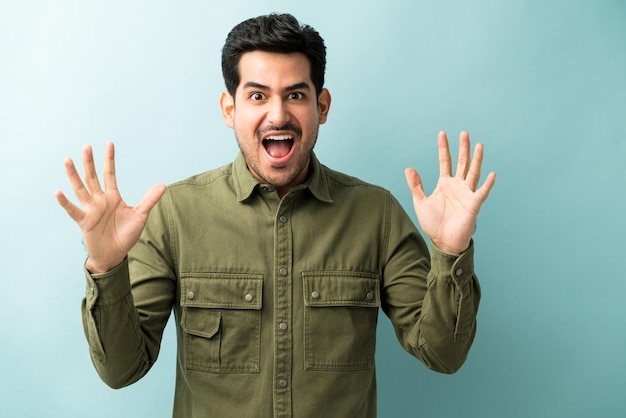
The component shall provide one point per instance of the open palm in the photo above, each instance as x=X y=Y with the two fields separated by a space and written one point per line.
x=110 y=227
x=448 y=215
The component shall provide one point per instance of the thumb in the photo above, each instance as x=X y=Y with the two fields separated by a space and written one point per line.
x=414 y=182
x=150 y=199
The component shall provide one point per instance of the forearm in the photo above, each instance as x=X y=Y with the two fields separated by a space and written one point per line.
x=445 y=331
x=121 y=348
x=432 y=302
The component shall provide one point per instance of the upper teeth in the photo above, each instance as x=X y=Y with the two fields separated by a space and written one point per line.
x=279 y=138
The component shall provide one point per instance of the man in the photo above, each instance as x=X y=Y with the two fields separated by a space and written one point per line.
x=275 y=266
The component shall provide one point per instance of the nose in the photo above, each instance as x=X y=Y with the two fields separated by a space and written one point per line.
x=278 y=112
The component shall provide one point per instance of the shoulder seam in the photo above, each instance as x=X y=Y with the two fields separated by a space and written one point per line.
x=205 y=178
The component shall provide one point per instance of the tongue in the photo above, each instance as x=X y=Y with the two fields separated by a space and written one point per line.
x=278 y=149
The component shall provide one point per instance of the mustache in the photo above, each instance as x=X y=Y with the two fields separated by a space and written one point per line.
x=286 y=127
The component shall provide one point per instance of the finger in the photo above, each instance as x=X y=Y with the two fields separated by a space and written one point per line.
x=445 y=167
x=89 y=167
x=110 y=182
x=79 y=188
x=486 y=187
x=414 y=182
x=150 y=199
x=464 y=155
x=473 y=175
x=75 y=212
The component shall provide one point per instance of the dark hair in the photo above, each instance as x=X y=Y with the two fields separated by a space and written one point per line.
x=273 y=33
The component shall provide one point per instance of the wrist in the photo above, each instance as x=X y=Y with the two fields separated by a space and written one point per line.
x=452 y=249
x=95 y=267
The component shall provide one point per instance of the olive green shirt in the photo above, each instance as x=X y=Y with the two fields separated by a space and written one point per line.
x=276 y=301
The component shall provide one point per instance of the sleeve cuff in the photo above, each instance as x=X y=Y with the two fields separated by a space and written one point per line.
x=459 y=268
x=109 y=287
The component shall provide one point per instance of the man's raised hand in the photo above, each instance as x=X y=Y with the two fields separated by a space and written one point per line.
x=448 y=215
x=110 y=227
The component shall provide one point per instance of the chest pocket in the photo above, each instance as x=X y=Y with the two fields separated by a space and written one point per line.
x=221 y=320
x=340 y=317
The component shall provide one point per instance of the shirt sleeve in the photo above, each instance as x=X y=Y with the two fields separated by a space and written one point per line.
x=126 y=309
x=431 y=298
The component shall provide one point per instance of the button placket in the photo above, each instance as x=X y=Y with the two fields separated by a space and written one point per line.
x=282 y=306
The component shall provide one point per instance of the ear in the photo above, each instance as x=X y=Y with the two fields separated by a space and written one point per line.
x=227 y=104
x=323 y=105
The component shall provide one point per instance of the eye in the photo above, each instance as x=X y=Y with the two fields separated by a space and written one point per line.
x=296 y=95
x=256 y=96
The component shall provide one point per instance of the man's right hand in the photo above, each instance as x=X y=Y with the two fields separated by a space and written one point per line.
x=110 y=227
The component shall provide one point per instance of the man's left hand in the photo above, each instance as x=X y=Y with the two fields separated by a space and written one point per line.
x=448 y=215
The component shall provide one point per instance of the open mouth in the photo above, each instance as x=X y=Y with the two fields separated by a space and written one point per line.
x=278 y=146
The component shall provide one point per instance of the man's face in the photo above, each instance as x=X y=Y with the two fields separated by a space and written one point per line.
x=276 y=116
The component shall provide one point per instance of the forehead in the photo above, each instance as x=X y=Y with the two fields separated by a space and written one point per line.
x=274 y=70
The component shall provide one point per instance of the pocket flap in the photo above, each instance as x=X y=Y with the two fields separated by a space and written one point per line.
x=341 y=289
x=201 y=322
x=218 y=290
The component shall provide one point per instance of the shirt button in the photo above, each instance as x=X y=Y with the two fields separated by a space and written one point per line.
x=315 y=294
x=282 y=326
x=282 y=383
x=283 y=219
x=249 y=297
x=191 y=295
x=282 y=271
x=458 y=272
x=369 y=296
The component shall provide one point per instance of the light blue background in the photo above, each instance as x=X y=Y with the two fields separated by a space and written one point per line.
x=541 y=83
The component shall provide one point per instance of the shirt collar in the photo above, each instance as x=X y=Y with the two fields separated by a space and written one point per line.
x=245 y=183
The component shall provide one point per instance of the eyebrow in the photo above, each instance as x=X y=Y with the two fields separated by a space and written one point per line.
x=298 y=86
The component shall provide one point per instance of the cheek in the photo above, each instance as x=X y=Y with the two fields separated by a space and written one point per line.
x=312 y=123
x=245 y=124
